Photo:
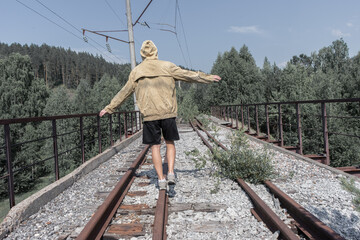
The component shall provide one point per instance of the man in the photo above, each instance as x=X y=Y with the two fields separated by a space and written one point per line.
x=153 y=81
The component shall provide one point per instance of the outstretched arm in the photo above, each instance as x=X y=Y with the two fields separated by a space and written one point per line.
x=120 y=97
x=192 y=76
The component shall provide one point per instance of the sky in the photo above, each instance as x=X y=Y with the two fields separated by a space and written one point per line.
x=277 y=29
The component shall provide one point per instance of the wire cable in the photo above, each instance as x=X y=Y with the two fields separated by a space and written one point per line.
x=112 y=9
x=65 y=29
x=121 y=60
x=186 y=44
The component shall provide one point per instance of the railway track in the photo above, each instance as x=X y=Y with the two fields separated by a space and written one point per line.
x=298 y=224
x=302 y=224
x=103 y=224
x=194 y=210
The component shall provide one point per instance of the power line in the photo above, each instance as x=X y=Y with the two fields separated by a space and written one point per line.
x=174 y=31
x=65 y=28
x=114 y=12
x=186 y=44
x=142 y=13
x=112 y=9
x=121 y=60
x=48 y=19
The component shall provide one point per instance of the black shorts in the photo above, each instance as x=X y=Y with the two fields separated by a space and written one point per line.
x=152 y=131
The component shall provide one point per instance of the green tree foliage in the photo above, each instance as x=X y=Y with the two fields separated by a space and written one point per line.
x=241 y=79
x=22 y=95
x=327 y=74
x=59 y=66
x=187 y=109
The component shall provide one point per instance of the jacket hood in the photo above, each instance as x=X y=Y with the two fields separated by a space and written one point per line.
x=148 y=50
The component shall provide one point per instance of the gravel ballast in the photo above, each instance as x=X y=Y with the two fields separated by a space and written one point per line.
x=223 y=214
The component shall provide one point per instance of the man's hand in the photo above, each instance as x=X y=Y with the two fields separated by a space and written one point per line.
x=216 y=78
x=102 y=112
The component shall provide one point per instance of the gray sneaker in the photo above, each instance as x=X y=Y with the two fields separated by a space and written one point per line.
x=162 y=184
x=171 y=178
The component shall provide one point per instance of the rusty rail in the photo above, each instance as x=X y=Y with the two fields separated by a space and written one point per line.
x=10 y=143
x=311 y=226
x=273 y=222
x=161 y=211
x=316 y=228
x=97 y=225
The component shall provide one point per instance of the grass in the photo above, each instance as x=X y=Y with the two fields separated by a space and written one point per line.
x=42 y=182
x=350 y=187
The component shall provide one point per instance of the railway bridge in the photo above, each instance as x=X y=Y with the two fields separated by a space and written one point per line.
x=109 y=188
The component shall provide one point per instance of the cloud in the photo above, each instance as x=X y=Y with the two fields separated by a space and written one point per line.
x=245 y=29
x=339 y=33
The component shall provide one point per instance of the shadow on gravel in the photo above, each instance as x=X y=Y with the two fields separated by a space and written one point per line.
x=152 y=176
x=346 y=225
x=171 y=192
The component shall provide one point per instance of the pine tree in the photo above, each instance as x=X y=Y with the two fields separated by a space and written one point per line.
x=22 y=95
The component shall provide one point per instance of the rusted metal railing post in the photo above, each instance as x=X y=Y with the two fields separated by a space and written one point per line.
x=99 y=133
x=125 y=125
x=132 y=123
x=298 y=123
x=119 y=119
x=257 y=121
x=9 y=166
x=55 y=147
x=237 y=116
x=227 y=113
x=110 y=130
x=248 y=118
x=140 y=120
x=281 y=133
x=136 y=121
x=325 y=133
x=242 y=116
x=267 y=121
x=82 y=140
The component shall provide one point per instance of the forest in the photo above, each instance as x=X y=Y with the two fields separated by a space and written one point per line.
x=44 y=81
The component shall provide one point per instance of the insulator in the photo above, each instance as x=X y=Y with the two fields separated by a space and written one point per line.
x=108 y=47
x=85 y=38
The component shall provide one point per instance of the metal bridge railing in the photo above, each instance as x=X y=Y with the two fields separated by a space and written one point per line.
x=280 y=118
x=121 y=124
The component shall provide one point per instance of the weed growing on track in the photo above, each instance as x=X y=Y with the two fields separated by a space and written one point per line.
x=243 y=162
x=350 y=187
x=239 y=162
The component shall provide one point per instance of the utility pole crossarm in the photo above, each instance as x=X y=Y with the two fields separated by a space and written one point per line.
x=95 y=32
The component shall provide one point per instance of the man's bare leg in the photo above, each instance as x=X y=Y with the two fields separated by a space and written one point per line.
x=156 y=157
x=170 y=155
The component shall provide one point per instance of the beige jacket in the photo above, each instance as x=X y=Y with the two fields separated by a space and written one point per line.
x=153 y=81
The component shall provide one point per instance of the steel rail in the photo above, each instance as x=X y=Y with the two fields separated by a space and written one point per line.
x=161 y=211
x=314 y=228
x=97 y=225
x=267 y=215
x=272 y=221
x=209 y=135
